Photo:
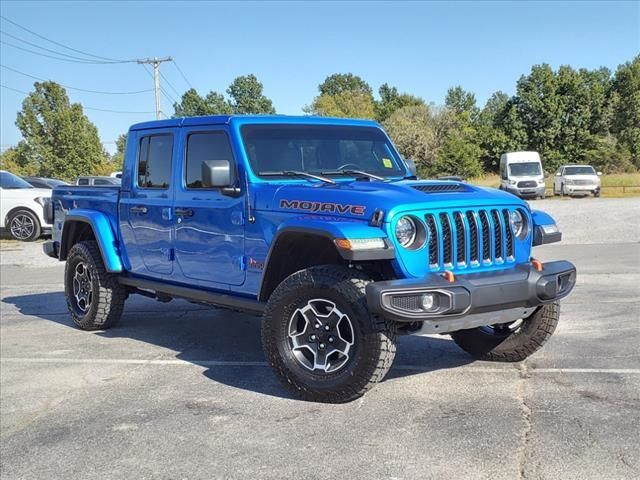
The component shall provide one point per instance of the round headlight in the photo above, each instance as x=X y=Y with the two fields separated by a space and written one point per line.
x=518 y=225
x=406 y=231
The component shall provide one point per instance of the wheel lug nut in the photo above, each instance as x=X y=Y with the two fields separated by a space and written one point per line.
x=313 y=338
x=327 y=328
x=317 y=325
x=322 y=345
x=330 y=339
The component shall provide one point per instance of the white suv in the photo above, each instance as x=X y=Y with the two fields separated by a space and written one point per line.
x=576 y=180
x=22 y=208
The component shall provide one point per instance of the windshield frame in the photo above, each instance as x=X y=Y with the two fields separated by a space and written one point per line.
x=537 y=163
x=400 y=171
x=576 y=167
x=20 y=183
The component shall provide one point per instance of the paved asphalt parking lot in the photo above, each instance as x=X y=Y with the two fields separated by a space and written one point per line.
x=180 y=391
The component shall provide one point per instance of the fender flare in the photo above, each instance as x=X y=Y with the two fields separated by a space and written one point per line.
x=102 y=231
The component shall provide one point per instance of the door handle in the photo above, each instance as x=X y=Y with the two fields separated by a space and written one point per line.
x=139 y=209
x=184 y=212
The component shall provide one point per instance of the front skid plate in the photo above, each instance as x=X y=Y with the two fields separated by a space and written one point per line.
x=445 y=325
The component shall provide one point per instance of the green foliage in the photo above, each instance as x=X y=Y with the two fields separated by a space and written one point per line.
x=59 y=140
x=339 y=83
x=245 y=97
x=460 y=155
x=419 y=132
x=17 y=161
x=118 y=158
x=461 y=103
x=344 y=104
x=626 y=101
x=391 y=101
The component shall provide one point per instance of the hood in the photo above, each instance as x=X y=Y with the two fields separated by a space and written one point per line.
x=30 y=193
x=360 y=199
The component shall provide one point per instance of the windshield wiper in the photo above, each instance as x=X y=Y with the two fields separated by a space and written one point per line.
x=297 y=173
x=360 y=173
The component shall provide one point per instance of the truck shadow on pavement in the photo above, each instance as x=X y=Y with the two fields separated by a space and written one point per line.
x=227 y=344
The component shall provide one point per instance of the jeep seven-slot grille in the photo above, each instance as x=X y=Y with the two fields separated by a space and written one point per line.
x=463 y=239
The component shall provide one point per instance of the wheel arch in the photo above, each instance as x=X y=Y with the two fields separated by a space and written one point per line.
x=80 y=225
x=295 y=248
x=17 y=209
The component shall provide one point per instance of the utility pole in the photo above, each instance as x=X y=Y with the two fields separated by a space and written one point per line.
x=156 y=77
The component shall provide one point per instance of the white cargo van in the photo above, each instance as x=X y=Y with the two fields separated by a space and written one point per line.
x=521 y=174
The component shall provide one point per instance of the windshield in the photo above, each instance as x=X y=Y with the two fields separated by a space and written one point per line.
x=320 y=149
x=12 y=182
x=525 y=169
x=579 y=171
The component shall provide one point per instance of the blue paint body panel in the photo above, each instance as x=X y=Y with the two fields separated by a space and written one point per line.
x=220 y=249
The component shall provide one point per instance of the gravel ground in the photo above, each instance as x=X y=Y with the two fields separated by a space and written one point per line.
x=180 y=391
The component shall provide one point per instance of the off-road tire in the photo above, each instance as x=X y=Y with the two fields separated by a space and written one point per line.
x=374 y=342
x=32 y=217
x=108 y=296
x=534 y=332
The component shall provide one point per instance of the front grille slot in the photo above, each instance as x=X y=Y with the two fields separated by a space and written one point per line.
x=434 y=257
x=507 y=228
x=461 y=234
x=497 y=233
x=473 y=234
x=447 y=249
x=440 y=187
x=527 y=184
x=486 y=236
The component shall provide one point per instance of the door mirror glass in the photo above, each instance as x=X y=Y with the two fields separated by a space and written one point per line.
x=599 y=174
x=217 y=174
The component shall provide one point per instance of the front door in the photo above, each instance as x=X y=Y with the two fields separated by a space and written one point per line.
x=146 y=209
x=209 y=224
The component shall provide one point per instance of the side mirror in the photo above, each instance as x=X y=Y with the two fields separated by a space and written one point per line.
x=411 y=165
x=217 y=174
x=599 y=174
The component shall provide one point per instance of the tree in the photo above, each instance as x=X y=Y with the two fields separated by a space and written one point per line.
x=247 y=97
x=58 y=137
x=343 y=95
x=344 y=104
x=193 y=105
x=118 y=158
x=419 y=133
x=391 y=101
x=461 y=103
x=344 y=82
x=459 y=155
x=17 y=161
x=626 y=100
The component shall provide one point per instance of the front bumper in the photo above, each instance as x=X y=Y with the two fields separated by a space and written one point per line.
x=474 y=295
x=526 y=192
x=581 y=189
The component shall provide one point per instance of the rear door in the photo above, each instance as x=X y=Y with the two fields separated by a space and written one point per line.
x=209 y=225
x=146 y=217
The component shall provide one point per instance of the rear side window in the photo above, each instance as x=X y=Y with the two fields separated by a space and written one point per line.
x=101 y=181
x=154 y=161
x=83 y=181
x=202 y=147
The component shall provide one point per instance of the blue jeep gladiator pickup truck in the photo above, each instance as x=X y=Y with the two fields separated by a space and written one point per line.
x=321 y=227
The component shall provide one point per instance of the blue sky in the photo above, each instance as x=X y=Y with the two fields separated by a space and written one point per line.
x=422 y=48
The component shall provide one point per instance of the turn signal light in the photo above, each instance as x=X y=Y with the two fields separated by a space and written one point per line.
x=537 y=264
x=449 y=276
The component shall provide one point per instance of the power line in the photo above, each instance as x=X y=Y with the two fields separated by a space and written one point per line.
x=73 y=57
x=182 y=73
x=62 y=45
x=92 y=62
x=83 y=106
x=75 y=88
x=156 y=81
x=169 y=83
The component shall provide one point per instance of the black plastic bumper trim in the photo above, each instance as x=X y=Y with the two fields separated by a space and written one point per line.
x=50 y=248
x=522 y=286
x=540 y=237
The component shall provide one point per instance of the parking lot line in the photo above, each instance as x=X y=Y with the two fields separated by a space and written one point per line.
x=236 y=363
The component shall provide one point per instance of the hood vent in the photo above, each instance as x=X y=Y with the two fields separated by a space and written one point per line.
x=441 y=187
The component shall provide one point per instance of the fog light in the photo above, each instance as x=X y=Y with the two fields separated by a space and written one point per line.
x=428 y=301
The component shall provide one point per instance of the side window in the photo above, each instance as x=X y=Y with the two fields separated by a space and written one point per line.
x=83 y=181
x=101 y=181
x=154 y=161
x=202 y=147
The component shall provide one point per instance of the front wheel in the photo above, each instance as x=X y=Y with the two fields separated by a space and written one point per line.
x=94 y=297
x=24 y=226
x=510 y=342
x=320 y=338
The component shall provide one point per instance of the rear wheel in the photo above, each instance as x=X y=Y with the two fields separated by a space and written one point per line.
x=94 y=297
x=24 y=225
x=321 y=340
x=510 y=342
